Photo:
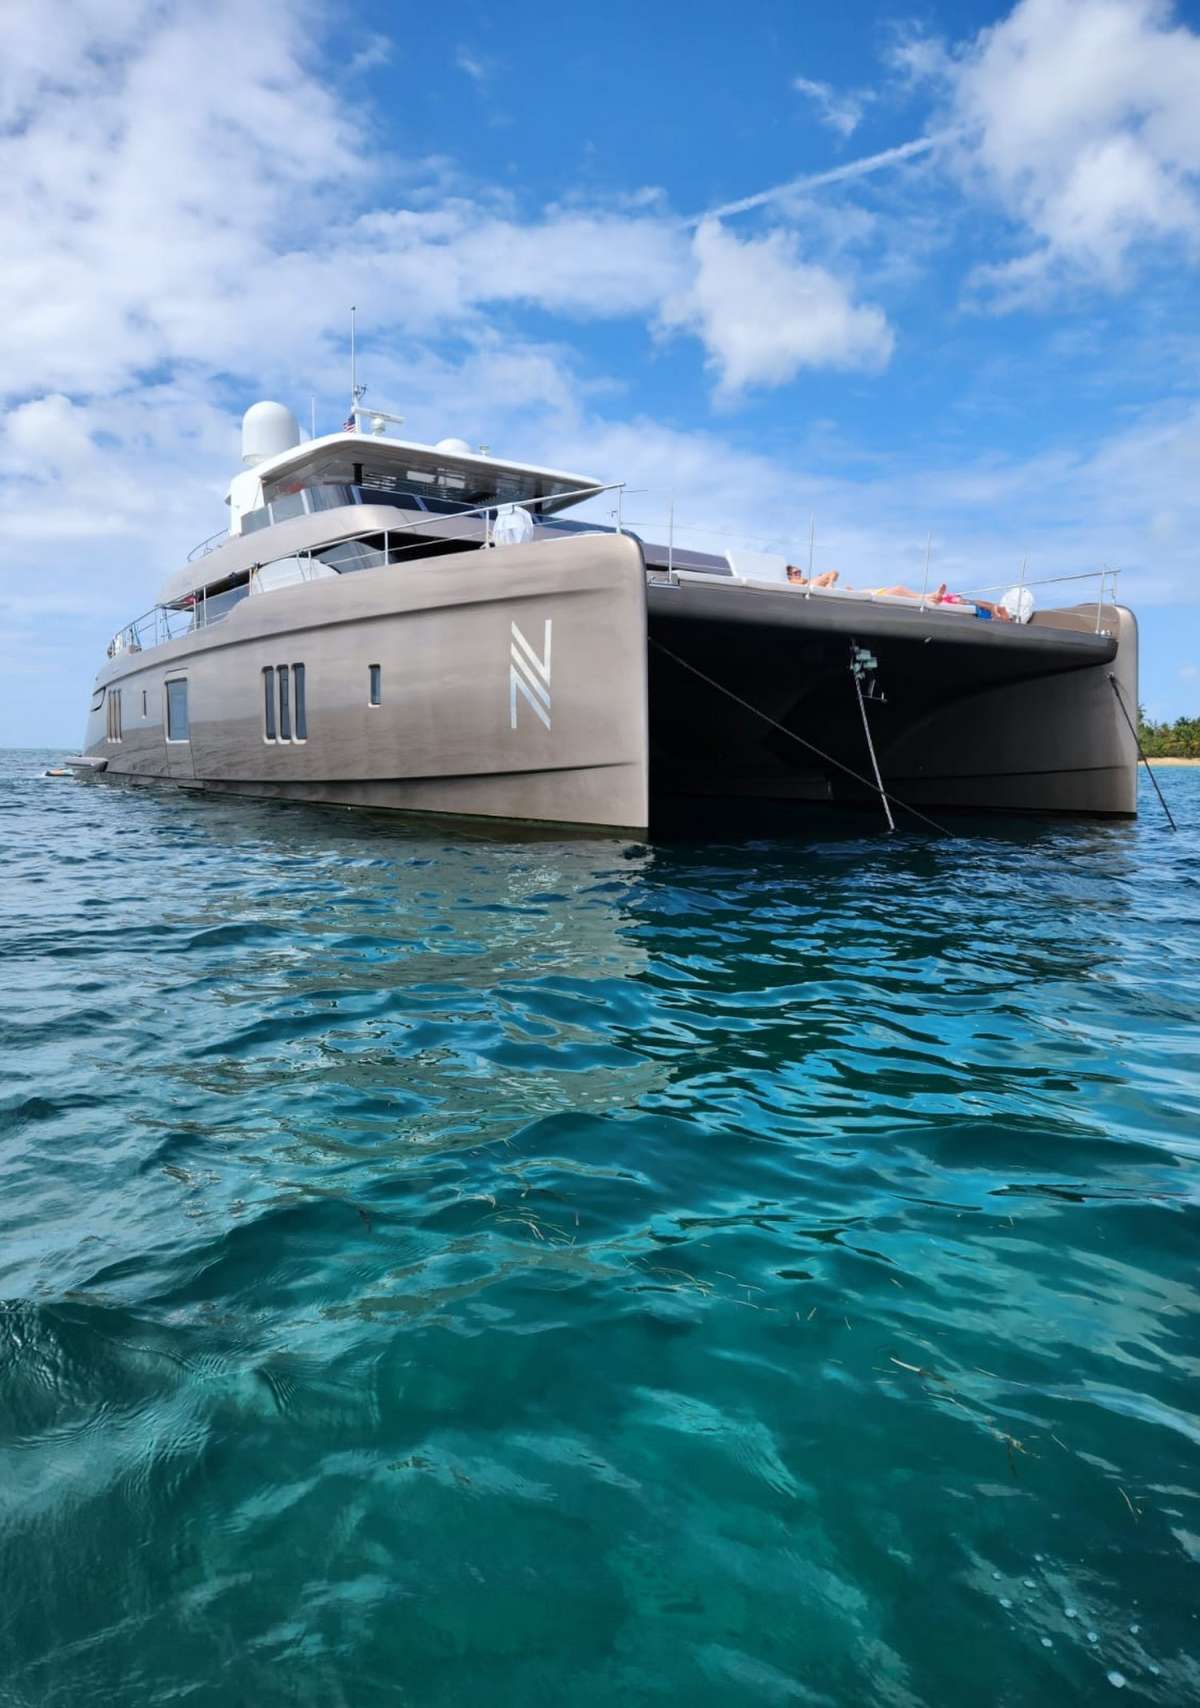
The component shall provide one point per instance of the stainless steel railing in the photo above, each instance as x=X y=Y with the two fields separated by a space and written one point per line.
x=200 y=609
x=724 y=542
x=208 y=545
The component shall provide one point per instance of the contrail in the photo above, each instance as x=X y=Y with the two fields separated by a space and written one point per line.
x=837 y=175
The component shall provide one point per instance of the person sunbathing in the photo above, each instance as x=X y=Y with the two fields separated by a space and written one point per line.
x=940 y=596
x=983 y=607
x=825 y=579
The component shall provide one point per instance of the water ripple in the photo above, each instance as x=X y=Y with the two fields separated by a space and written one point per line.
x=437 y=1268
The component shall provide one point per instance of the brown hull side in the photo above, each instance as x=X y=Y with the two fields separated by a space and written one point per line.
x=513 y=685
x=968 y=715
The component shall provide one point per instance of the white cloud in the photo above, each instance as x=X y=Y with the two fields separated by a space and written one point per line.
x=190 y=195
x=472 y=65
x=152 y=176
x=1082 y=119
x=763 y=313
x=375 y=51
x=840 y=111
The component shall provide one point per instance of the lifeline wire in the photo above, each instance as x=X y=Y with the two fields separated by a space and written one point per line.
x=821 y=754
x=1116 y=687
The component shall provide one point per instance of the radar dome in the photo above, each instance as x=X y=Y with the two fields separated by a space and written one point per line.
x=268 y=429
x=454 y=447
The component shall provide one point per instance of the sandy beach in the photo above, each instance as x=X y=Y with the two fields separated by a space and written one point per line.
x=1173 y=762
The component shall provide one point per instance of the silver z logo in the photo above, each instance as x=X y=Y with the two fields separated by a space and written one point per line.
x=529 y=676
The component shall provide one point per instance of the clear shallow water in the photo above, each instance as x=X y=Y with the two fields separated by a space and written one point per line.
x=435 y=1270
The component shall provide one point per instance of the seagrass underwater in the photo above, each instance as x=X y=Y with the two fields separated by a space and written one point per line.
x=441 y=1267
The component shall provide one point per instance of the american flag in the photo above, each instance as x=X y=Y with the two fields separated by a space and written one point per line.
x=349 y=425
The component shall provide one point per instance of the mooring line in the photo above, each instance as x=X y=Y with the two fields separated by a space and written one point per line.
x=1137 y=741
x=811 y=745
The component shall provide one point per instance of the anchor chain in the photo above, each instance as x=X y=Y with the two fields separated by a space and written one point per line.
x=863 y=665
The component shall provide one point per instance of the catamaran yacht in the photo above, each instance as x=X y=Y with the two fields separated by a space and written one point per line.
x=394 y=625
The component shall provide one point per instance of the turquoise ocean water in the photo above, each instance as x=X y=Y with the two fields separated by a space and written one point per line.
x=436 y=1270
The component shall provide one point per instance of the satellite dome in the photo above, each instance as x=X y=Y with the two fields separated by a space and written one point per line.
x=454 y=447
x=268 y=429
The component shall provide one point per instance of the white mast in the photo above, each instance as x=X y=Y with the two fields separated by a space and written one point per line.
x=356 y=390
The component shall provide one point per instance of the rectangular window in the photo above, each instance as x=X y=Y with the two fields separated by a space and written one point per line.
x=177 y=709
x=285 y=713
x=145 y=704
x=114 y=714
x=298 y=702
x=375 y=673
x=269 y=703
x=287 y=505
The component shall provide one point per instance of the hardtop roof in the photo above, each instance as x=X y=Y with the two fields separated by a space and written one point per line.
x=469 y=474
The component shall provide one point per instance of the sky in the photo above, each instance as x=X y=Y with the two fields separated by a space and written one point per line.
x=922 y=280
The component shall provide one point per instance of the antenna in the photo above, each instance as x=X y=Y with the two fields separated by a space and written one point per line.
x=356 y=390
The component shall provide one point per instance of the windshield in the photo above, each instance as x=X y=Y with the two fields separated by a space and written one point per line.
x=379 y=470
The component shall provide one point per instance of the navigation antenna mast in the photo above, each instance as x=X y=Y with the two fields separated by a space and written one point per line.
x=356 y=390
x=379 y=417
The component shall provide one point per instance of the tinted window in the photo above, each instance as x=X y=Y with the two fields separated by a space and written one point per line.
x=389 y=495
x=298 y=697
x=331 y=496
x=376 y=684
x=286 y=506
x=177 y=709
x=269 y=703
x=220 y=604
x=285 y=714
x=350 y=555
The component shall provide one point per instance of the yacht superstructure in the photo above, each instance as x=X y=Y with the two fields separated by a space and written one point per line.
x=420 y=627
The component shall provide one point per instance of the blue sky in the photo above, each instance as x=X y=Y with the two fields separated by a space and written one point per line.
x=910 y=272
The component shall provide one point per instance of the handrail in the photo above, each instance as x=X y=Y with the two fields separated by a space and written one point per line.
x=202 y=612
x=194 y=607
x=772 y=543
x=208 y=545
x=1045 y=580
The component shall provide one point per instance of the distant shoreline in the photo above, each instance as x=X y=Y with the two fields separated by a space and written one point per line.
x=1173 y=762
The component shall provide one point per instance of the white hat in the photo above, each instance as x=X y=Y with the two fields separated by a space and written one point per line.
x=1018 y=602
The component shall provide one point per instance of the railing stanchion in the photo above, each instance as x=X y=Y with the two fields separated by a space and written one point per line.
x=925 y=582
